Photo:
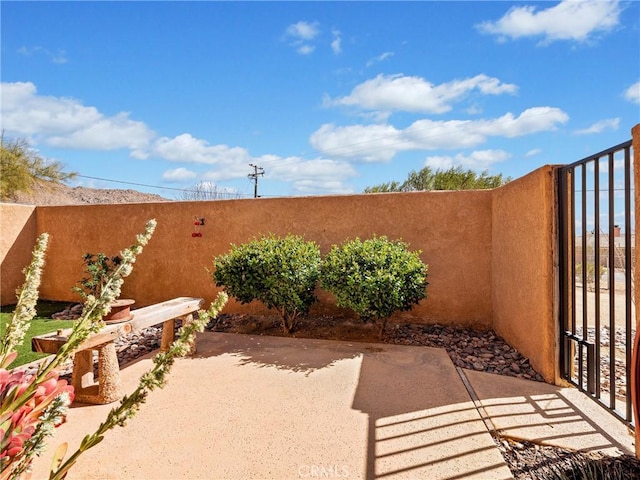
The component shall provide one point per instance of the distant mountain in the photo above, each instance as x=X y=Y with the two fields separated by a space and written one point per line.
x=49 y=194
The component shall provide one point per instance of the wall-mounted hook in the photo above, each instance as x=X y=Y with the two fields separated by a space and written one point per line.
x=198 y=222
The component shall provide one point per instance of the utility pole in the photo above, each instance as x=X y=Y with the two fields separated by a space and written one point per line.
x=257 y=172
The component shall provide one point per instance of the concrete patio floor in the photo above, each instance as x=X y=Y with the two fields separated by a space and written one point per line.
x=251 y=407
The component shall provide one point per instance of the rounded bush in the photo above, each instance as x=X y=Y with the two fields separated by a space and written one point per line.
x=282 y=273
x=375 y=278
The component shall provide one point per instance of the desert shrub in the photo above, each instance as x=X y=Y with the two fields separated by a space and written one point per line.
x=282 y=273
x=98 y=268
x=591 y=273
x=374 y=278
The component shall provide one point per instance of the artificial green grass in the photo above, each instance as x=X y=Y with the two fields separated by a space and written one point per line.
x=41 y=324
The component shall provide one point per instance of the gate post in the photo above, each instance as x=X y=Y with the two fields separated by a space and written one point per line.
x=635 y=362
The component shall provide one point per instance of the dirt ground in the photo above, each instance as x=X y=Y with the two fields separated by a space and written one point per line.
x=323 y=327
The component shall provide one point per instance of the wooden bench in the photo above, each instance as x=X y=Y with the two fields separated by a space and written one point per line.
x=107 y=387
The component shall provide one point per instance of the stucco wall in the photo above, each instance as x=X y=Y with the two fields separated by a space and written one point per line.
x=453 y=229
x=17 y=238
x=522 y=280
x=489 y=252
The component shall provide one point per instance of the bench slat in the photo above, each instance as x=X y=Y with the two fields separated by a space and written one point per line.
x=142 y=318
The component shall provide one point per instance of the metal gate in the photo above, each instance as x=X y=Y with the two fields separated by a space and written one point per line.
x=596 y=262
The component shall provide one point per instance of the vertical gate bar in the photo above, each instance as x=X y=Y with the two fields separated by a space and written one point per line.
x=580 y=364
x=627 y=276
x=591 y=367
x=612 y=290
x=572 y=235
x=571 y=354
x=596 y=262
x=562 y=261
x=585 y=265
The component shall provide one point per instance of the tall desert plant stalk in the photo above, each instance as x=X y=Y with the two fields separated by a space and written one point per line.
x=130 y=404
x=32 y=405
x=26 y=305
x=27 y=400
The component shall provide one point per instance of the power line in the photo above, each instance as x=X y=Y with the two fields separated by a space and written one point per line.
x=145 y=185
x=133 y=183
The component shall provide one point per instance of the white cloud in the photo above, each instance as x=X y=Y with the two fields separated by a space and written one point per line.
x=300 y=35
x=478 y=160
x=179 y=175
x=532 y=120
x=575 y=20
x=59 y=56
x=369 y=143
x=314 y=187
x=336 y=44
x=107 y=134
x=314 y=176
x=303 y=30
x=380 y=143
x=319 y=169
x=633 y=93
x=599 y=127
x=533 y=152
x=185 y=148
x=380 y=58
x=474 y=110
x=65 y=122
x=415 y=94
x=233 y=162
x=305 y=49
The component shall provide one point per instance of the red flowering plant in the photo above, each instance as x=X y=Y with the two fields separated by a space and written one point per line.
x=22 y=431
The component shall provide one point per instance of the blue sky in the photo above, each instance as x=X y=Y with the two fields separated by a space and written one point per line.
x=326 y=97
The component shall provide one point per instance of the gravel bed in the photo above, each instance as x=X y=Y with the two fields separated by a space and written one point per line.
x=529 y=461
x=483 y=351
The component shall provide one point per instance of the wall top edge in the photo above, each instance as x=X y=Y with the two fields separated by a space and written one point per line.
x=261 y=199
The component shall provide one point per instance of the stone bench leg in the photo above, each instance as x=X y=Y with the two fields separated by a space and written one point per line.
x=168 y=335
x=108 y=388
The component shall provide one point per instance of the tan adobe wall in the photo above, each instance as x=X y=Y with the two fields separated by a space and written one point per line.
x=523 y=216
x=489 y=252
x=453 y=229
x=17 y=238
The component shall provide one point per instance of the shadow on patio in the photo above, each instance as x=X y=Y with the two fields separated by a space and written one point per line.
x=275 y=408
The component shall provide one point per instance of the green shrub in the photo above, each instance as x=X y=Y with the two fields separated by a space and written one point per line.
x=280 y=272
x=374 y=278
x=98 y=268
